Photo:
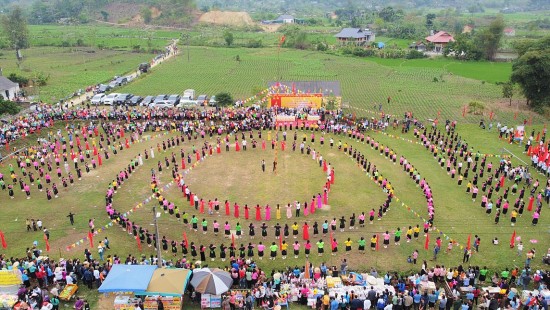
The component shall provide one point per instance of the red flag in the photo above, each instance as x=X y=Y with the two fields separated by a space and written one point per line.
x=502 y=181
x=538 y=137
x=47 y=243
x=427 y=243
x=491 y=115
x=280 y=242
x=99 y=160
x=282 y=40
x=7 y=146
x=464 y=112
x=185 y=239
x=3 y=239
x=233 y=240
x=91 y=238
x=377 y=243
x=331 y=238
x=513 y=239
x=182 y=163
x=469 y=241
x=516 y=115
x=138 y=243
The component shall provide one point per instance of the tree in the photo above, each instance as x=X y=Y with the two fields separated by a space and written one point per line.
x=224 y=99
x=9 y=107
x=15 y=29
x=147 y=15
x=105 y=15
x=430 y=20
x=490 y=38
x=228 y=37
x=508 y=90
x=530 y=72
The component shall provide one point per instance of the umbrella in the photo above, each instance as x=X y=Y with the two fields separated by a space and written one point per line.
x=211 y=281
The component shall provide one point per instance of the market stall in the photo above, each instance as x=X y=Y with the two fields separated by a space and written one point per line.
x=169 y=285
x=127 y=281
x=10 y=280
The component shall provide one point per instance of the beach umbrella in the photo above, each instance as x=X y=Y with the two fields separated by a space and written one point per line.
x=211 y=281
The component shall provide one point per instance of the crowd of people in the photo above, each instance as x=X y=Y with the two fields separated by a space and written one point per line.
x=85 y=143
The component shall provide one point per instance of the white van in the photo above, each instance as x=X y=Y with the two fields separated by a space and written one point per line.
x=109 y=100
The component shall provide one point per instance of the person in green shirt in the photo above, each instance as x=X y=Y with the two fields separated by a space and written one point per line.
x=362 y=242
x=320 y=247
x=194 y=222
x=397 y=238
x=204 y=226
x=273 y=248
x=483 y=274
x=185 y=217
x=504 y=274
x=239 y=229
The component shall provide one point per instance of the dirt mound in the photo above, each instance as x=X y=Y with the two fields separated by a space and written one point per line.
x=227 y=18
x=137 y=20
x=121 y=11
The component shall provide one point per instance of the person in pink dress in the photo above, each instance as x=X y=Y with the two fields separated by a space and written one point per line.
x=288 y=211
x=267 y=213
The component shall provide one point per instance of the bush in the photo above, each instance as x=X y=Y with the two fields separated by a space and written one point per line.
x=19 y=79
x=9 y=107
x=224 y=99
x=414 y=54
x=254 y=43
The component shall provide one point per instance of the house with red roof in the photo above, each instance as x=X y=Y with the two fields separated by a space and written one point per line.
x=509 y=32
x=440 y=40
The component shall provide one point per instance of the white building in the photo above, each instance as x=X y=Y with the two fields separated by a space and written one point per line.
x=8 y=89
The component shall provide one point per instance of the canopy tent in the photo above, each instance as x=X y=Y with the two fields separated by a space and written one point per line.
x=10 y=281
x=168 y=282
x=128 y=278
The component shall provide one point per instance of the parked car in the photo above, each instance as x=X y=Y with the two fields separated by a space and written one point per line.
x=175 y=99
x=160 y=98
x=186 y=101
x=212 y=102
x=121 y=81
x=113 y=84
x=110 y=98
x=121 y=99
x=146 y=101
x=161 y=104
x=103 y=88
x=144 y=67
x=97 y=99
x=134 y=100
x=202 y=100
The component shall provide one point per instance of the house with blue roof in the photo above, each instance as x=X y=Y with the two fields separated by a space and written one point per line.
x=355 y=36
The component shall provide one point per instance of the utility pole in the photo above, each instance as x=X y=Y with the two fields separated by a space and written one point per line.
x=159 y=254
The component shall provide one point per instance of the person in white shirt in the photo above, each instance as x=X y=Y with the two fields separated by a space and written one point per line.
x=69 y=280
x=366 y=304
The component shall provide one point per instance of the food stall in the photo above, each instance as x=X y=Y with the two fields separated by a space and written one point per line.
x=127 y=282
x=169 y=285
x=10 y=280
x=135 y=283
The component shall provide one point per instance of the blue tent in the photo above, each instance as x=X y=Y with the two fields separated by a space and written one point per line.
x=381 y=45
x=128 y=278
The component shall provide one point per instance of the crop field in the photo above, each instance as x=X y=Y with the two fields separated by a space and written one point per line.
x=70 y=69
x=365 y=84
x=93 y=35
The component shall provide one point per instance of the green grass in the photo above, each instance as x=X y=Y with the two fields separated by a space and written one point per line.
x=94 y=35
x=364 y=84
x=484 y=71
x=70 y=69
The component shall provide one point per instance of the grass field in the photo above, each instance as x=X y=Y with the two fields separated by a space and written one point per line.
x=70 y=69
x=238 y=177
x=94 y=35
x=364 y=84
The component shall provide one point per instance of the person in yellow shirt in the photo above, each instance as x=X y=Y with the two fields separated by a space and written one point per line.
x=514 y=216
x=373 y=242
x=409 y=234
x=295 y=230
x=284 y=248
x=416 y=231
x=348 y=244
